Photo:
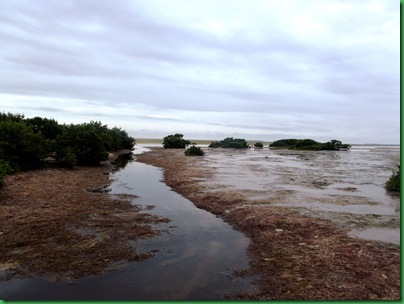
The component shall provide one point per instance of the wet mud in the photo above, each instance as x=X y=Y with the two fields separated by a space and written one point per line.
x=321 y=224
x=130 y=239
x=62 y=224
x=345 y=187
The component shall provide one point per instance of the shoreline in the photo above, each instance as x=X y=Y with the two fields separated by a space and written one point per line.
x=296 y=257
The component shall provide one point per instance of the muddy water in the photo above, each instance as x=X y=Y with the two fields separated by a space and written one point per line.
x=344 y=186
x=194 y=258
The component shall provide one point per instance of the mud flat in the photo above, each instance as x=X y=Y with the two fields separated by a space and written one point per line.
x=61 y=223
x=307 y=214
x=76 y=235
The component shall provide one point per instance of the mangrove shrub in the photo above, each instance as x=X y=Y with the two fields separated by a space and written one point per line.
x=194 y=150
x=308 y=144
x=230 y=142
x=393 y=184
x=20 y=146
x=25 y=143
x=5 y=168
x=84 y=143
x=175 y=141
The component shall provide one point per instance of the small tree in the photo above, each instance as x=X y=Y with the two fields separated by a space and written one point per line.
x=194 y=150
x=393 y=184
x=334 y=144
x=175 y=141
x=259 y=145
x=120 y=140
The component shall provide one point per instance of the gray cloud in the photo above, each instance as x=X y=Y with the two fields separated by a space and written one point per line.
x=318 y=69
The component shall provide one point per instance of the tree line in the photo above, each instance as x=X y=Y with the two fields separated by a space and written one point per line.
x=230 y=142
x=308 y=144
x=25 y=143
x=177 y=141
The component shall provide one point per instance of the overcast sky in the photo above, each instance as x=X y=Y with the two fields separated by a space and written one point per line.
x=256 y=69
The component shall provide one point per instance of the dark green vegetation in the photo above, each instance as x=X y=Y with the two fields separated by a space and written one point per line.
x=5 y=168
x=194 y=150
x=26 y=142
x=308 y=144
x=259 y=144
x=175 y=141
x=393 y=184
x=229 y=142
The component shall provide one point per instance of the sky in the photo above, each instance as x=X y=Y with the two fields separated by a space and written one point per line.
x=209 y=69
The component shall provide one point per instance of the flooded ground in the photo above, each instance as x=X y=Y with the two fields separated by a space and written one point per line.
x=199 y=254
x=298 y=209
x=195 y=257
x=344 y=186
x=294 y=206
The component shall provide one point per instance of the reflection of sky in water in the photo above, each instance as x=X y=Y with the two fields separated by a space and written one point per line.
x=194 y=261
x=200 y=247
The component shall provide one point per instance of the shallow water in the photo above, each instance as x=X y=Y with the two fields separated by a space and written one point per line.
x=324 y=183
x=195 y=257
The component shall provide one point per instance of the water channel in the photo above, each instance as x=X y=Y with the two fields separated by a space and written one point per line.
x=195 y=256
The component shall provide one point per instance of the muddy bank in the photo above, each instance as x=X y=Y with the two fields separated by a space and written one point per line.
x=297 y=256
x=60 y=224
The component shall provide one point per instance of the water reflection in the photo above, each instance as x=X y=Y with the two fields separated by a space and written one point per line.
x=122 y=161
x=194 y=259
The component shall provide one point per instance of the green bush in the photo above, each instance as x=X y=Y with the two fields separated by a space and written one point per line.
x=25 y=142
x=48 y=128
x=214 y=144
x=5 y=168
x=21 y=147
x=308 y=144
x=334 y=145
x=85 y=141
x=284 y=143
x=120 y=140
x=194 y=150
x=393 y=184
x=259 y=144
x=69 y=159
x=230 y=142
x=175 y=141
x=11 y=117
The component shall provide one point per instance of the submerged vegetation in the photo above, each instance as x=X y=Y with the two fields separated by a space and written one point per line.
x=25 y=143
x=393 y=184
x=229 y=142
x=309 y=144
